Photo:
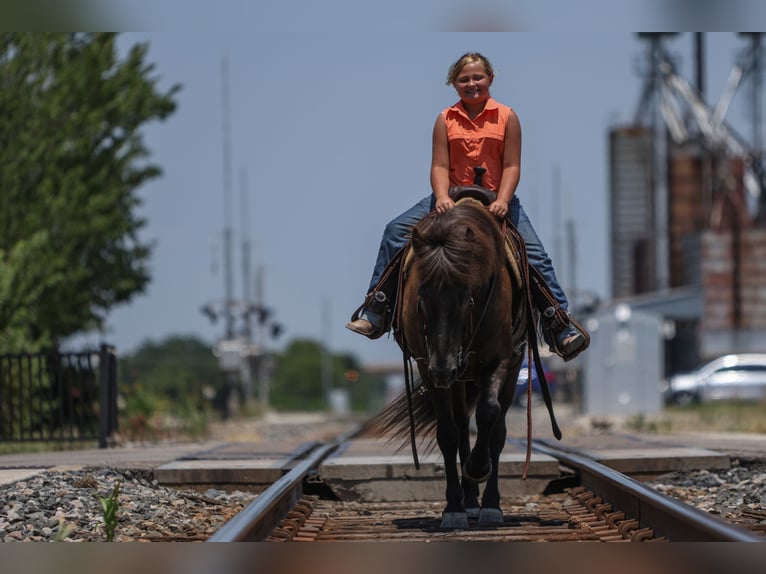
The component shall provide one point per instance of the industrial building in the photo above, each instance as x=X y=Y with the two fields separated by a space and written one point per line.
x=687 y=210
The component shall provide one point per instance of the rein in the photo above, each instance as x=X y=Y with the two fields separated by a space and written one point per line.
x=533 y=356
x=463 y=355
x=406 y=356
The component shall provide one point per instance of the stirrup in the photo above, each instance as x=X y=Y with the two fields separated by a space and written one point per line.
x=554 y=321
x=377 y=302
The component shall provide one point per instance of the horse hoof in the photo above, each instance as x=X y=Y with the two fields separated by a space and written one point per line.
x=472 y=512
x=454 y=521
x=490 y=516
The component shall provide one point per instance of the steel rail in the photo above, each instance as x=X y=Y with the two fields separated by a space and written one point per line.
x=668 y=517
x=258 y=519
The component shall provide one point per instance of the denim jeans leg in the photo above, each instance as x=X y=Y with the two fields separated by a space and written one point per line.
x=536 y=253
x=396 y=235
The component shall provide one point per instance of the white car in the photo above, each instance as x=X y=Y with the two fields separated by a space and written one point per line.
x=731 y=377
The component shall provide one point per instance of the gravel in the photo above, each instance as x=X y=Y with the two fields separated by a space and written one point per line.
x=737 y=495
x=67 y=506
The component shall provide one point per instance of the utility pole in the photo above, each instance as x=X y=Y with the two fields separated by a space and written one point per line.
x=246 y=352
x=227 y=233
x=756 y=86
x=572 y=245
x=264 y=361
x=651 y=103
x=557 y=238
x=699 y=63
x=235 y=351
x=326 y=357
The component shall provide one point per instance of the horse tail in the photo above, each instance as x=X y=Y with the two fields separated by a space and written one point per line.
x=393 y=422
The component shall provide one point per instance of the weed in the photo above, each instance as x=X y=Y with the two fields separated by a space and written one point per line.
x=110 y=506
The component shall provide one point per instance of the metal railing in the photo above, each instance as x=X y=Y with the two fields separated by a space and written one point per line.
x=58 y=397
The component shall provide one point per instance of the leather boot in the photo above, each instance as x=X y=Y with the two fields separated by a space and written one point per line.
x=361 y=326
x=564 y=336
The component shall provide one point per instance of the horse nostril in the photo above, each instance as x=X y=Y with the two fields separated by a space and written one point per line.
x=442 y=376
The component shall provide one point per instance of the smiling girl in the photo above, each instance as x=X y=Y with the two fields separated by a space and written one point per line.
x=476 y=131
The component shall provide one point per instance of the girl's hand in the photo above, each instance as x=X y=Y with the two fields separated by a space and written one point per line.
x=444 y=205
x=499 y=209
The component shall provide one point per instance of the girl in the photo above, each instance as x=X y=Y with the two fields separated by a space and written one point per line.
x=477 y=131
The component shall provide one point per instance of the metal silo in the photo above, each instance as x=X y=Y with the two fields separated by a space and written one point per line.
x=631 y=210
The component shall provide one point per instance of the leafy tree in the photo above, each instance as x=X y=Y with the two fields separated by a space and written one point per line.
x=71 y=160
x=177 y=368
x=297 y=381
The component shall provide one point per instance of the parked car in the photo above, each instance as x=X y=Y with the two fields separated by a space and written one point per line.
x=520 y=396
x=731 y=377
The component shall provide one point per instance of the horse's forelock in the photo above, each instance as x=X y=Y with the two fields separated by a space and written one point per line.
x=458 y=247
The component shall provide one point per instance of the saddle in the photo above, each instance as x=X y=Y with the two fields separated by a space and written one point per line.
x=384 y=298
x=513 y=241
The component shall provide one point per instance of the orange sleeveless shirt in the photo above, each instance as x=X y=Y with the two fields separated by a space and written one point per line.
x=476 y=143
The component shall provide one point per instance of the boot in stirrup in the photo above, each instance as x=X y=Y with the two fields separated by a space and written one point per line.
x=564 y=336
x=370 y=319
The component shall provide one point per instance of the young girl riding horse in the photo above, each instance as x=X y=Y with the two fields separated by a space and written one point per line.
x=475 y=132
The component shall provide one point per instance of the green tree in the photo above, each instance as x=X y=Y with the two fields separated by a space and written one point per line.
x=178 y=376
x=297 y=382
x=72 y=158
x=178 y=368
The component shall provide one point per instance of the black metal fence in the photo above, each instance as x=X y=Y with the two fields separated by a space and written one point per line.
x=58 y=396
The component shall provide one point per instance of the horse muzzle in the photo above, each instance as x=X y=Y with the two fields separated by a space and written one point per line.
x=442 y=377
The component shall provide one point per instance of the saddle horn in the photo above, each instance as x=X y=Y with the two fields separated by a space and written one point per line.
x=479 y=171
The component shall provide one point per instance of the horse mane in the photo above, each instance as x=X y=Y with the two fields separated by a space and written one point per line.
x=459 y=247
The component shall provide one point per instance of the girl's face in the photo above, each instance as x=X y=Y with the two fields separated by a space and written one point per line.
x=472 y=83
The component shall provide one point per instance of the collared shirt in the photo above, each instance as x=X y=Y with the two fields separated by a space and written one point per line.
x=476 y=143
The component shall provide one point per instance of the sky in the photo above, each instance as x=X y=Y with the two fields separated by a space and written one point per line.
x=330 y=114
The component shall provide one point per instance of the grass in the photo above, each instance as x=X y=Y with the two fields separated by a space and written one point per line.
x=742 y=417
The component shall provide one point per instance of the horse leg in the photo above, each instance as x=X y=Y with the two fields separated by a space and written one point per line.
x=448 y=438
x=462 y=418
x=478 y=467
x=490 y=512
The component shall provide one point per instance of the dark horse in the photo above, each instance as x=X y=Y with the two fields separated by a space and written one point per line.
x=464 y=320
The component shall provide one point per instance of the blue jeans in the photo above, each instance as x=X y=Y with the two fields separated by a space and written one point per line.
x=397 y=231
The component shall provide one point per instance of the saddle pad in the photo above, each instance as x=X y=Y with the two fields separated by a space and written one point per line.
x=512 y=255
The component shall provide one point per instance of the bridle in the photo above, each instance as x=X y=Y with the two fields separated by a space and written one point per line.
x=466 y=348
x=464 y=355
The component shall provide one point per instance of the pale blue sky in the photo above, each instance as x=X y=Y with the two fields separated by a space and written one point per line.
x=331 y=117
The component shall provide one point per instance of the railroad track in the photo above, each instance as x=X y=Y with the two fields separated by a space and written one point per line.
x=589 y=502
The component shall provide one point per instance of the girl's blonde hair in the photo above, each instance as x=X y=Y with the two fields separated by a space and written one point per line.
x=469 y=58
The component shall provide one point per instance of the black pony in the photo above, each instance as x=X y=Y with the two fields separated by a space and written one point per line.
x=465 y=321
